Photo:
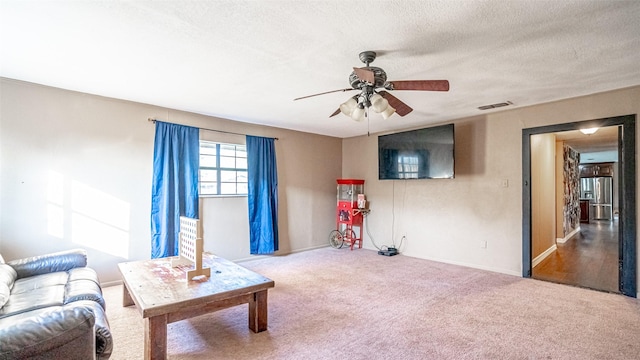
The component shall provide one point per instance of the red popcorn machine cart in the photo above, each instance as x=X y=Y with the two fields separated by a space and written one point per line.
x=350 y=211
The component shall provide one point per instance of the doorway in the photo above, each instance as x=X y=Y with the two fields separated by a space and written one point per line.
x=600 y=238
x=589 y=259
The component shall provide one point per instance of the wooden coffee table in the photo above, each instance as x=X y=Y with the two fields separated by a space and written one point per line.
x=163 y=295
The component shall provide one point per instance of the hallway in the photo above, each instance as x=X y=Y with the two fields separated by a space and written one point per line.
x=589 y=259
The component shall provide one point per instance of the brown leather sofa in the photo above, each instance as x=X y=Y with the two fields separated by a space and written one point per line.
x=51 y=307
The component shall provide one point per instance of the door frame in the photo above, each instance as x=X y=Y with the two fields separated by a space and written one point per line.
x=627 y=262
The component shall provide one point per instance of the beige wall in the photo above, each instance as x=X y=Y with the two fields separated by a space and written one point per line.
x=76 y=171
x=543 y=193
x=451 y=220
x=105 y=146
x=467 y=220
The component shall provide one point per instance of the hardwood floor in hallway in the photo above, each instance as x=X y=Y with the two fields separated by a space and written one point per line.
x=589 y=259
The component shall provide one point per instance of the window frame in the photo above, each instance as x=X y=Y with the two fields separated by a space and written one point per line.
x=219 y=169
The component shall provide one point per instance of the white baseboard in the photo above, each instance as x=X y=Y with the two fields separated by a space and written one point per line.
x=569 y=236
x=461 y=263
x=542 y=256
x=256 y=257
x=111 y=283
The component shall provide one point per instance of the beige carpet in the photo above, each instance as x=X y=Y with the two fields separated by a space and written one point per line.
x=342 y=304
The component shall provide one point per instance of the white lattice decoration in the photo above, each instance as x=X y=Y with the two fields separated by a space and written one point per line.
x=188 y=235
x=191 y=247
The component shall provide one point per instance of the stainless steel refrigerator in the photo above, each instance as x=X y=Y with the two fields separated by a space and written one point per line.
x=598 y=190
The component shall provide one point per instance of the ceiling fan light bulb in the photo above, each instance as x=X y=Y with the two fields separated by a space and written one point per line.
x=388 y=112
x=358 y=114
x=378 y=103
x=348 y=106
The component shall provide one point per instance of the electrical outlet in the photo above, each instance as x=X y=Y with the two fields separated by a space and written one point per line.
x=504 y=183
x=483 y=244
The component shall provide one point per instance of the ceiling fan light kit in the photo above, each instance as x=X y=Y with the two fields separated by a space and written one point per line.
x=374 y=90
x=388 y=112
x=378 y=103
x=348 y=106
x=357 y=107
x=358 y=114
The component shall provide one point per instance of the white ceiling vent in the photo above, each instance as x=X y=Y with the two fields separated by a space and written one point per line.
x=493 y=106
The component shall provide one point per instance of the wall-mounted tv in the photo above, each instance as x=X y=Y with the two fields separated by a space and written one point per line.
x=417 y=154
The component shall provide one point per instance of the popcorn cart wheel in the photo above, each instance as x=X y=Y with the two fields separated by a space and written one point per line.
x=337 y=238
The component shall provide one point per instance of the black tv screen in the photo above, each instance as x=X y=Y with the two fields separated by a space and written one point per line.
x=417 y=154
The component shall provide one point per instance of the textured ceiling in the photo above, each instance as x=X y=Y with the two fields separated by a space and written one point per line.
x=599 y=147
x=248 y=60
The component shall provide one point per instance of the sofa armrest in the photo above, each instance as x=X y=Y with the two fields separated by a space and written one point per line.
x=104 y=340
x=61 y=332
x=60 y=261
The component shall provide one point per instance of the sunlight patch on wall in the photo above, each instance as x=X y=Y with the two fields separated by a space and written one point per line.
x=98 y=235
x=55 y=221
x=55 y=203
x=99 y=220
x=86 y=216
x=99 y=205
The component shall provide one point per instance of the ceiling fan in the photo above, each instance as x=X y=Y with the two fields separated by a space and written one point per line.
x=374 y=90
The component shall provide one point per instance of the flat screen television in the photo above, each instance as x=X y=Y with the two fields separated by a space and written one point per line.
x=417 y=154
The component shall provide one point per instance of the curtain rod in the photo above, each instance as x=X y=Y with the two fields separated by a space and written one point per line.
x=220 y=131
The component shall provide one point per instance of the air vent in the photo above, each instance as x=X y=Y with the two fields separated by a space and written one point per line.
x=493 y=106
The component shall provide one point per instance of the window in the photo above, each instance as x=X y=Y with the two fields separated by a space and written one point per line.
x=223 y=169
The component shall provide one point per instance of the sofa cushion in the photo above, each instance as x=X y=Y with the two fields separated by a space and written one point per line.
x=83 y=273
x=5 y=292
x=59 y=332
x=7 y=275
x=32 y=300
x=7 y=279
x=44 y=264
x=38 y=282
x=83 y=290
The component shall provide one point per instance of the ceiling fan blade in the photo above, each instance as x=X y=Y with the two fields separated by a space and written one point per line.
x=365 y=75
x=335 y=113
x=424 y=85
x=326 y=92
x=402 y=109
